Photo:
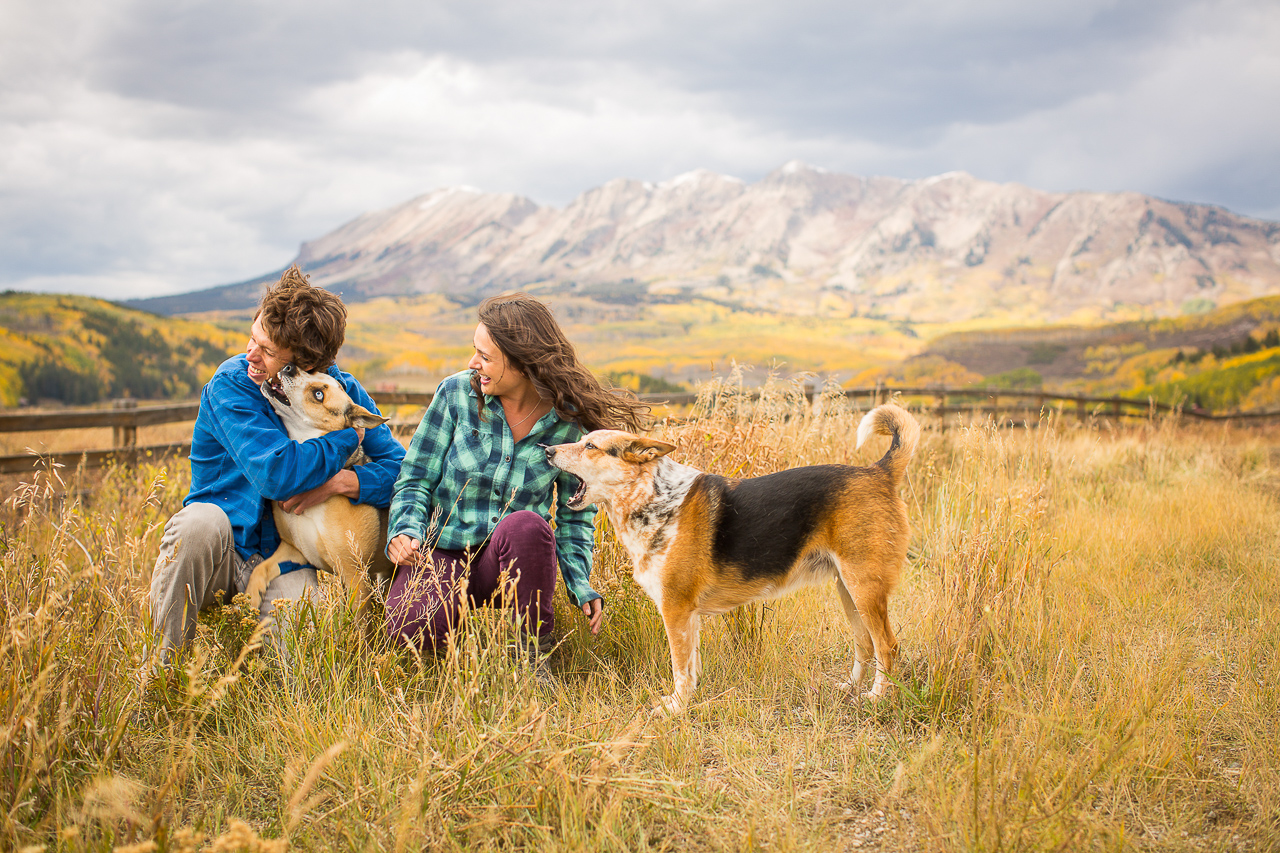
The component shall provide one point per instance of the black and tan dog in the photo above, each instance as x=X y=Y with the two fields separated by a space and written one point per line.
x=703 y=544
x=337 y=536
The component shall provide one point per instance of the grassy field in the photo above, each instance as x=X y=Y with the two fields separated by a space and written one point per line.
x=1089 y=624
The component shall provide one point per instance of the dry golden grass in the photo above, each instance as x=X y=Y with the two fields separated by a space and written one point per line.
x=74 y=440
x=1089 y=624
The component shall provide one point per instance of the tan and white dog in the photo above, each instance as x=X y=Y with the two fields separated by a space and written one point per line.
x=703 y=544
x=338 y=536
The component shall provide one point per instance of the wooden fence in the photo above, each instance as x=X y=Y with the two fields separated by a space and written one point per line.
x=1007 y=405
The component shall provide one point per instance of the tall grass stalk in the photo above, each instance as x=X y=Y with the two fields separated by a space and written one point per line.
x=1088 y=626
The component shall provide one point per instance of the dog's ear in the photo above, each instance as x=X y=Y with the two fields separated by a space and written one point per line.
x=646 y=450
x=359 y=416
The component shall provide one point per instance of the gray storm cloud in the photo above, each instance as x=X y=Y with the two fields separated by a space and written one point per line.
x=153 y=148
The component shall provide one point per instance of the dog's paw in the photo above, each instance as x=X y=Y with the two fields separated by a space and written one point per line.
x=668 y=706
x=254 y=592
x=879 y=692
x=256 y=587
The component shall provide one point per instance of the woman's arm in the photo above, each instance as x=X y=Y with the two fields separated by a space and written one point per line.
x=421 y=470
x=575 y=541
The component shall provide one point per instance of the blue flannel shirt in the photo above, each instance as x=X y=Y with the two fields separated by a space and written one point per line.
x=467 y=474
x=242 y=458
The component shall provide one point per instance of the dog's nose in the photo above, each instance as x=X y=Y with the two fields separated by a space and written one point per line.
x=550 y=451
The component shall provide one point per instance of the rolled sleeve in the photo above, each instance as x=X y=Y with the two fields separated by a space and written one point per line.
x=420 y=472
x=575 y=542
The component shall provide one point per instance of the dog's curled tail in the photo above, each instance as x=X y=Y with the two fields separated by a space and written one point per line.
x=896 y=421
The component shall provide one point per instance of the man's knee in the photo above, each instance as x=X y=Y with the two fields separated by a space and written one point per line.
x=197 y=528
x=196 y=553
x=291 y=586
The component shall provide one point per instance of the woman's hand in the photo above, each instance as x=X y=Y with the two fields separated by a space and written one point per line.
x=594 y=611
x=403 y=550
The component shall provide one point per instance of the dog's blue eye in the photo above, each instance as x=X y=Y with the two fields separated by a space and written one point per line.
x=319 y=395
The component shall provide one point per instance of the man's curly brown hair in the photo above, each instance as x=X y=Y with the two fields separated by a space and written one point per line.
x=310 y=321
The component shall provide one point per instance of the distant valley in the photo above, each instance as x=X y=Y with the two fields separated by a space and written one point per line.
x=76 y=350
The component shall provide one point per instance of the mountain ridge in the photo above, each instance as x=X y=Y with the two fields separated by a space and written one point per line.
x=804 y=240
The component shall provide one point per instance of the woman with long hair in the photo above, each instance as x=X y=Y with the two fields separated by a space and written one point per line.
x=472 y=504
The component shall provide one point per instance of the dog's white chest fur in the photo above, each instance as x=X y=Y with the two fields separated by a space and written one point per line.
x=652 y=524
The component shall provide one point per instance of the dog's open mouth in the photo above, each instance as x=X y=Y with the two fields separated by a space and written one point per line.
x=276 y=390
x=578 y=501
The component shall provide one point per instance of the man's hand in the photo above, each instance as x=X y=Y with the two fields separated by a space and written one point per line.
x=403 y=550
x=345 y=482
x=594 y=611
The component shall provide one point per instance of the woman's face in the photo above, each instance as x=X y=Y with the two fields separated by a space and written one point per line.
x=497 y=377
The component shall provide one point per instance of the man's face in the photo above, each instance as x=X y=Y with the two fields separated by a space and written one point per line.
x=265 y=358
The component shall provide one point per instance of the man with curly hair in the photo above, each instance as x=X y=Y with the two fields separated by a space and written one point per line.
x=242 y=459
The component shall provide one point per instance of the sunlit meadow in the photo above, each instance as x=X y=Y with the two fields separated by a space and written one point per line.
x=1088 y=620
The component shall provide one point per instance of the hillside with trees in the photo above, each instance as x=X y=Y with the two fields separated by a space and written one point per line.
x=1228 y=358
x=78 y=350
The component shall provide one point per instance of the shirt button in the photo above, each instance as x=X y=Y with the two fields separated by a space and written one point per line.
x=495 y=518
x=498 y=492
x=508 y=458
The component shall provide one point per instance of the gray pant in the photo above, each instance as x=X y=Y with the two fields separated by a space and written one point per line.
x=198 y=559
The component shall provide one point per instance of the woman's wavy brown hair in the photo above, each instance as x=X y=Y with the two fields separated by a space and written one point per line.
x=526 y=333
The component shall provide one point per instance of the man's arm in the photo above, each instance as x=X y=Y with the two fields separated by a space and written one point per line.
x=276 y=466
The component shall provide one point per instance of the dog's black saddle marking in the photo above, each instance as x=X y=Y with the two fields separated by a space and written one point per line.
x=762 y=523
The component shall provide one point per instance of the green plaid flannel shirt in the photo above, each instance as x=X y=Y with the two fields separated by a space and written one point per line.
x=466 y=474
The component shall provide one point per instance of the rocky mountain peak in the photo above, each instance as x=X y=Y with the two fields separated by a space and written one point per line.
x=803 y=240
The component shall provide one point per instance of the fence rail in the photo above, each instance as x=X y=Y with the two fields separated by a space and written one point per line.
x=126 y=416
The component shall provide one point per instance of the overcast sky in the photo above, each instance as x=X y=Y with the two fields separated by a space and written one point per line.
x=157 y=146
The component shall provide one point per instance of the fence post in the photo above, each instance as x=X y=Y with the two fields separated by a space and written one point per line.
x=882 y=396
x=124 y=436
x=1080 y=409
x=941 y=397
x=1115 y=408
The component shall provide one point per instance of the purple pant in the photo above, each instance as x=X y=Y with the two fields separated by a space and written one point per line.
x=424 y=601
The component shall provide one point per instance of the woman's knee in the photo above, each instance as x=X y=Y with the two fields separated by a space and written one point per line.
x=526 y=526
x=423 y=632
x=416 y=615
x=525 y=543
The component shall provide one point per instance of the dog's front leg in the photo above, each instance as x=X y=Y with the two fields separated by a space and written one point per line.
x=682 y=626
